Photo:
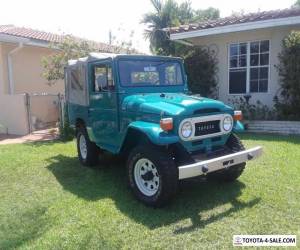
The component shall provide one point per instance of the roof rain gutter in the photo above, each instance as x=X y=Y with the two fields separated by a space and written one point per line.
x=184 y=42
x=10 y=68
x=237 y=28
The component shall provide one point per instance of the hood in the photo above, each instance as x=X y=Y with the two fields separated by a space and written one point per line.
x=170 y=104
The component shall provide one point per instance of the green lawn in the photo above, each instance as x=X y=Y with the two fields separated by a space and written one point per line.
x=49 y=201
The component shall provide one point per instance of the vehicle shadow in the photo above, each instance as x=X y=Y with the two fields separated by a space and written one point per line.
x=108 y=180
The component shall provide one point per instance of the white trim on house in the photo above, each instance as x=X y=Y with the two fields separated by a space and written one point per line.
x=237 y=27
x=10 y=67
x=26 y=41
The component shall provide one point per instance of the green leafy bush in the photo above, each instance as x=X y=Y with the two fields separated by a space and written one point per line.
x=257 y=111
x=287 y=102
x=201 y=69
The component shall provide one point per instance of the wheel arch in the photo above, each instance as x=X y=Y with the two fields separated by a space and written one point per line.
x=133 y=137
x=79 y=123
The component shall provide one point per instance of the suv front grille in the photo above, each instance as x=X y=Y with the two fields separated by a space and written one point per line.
x=206 y=128
x=206 y=111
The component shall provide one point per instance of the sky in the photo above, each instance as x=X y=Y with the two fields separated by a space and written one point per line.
x=93 y=19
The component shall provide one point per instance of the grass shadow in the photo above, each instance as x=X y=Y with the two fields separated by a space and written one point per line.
x=108 y=180
x=45 y=143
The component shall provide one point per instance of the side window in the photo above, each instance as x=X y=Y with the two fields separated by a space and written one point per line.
x=103 y=80
x=76 y=84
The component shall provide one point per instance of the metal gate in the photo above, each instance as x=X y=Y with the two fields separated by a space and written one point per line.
x=44 y=111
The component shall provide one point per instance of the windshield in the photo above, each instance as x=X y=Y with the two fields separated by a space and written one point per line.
x=150 y=73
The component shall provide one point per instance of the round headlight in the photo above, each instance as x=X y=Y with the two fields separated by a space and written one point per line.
x=186 y=129
x=227 y=123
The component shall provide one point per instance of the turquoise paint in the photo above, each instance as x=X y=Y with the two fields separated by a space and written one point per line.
x=110 y=114
x=155 y=134
x=238 y=127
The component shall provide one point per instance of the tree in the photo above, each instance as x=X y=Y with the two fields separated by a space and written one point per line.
x=163 y=16
x=201 y=69
x=297 y=3
x=69 y=48
x=288 y=101
x=207 y=14
x=73 y=48
x=167 y=14
x=122 y=46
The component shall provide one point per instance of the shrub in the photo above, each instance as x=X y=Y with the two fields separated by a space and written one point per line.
x=257 y=111
x=287 y=103
x=201 y=69
x=66 y=133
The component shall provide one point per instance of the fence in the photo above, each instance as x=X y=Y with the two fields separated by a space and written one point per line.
x=44 y=111
x=14 y=114
x=25 y=113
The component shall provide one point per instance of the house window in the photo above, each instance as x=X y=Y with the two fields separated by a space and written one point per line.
x=249 y=67
x=238 y=68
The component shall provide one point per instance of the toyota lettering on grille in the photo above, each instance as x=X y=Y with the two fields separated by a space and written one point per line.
x=209 y=127
x=206 y=127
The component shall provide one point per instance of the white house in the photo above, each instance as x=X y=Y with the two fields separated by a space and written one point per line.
x=246 y=48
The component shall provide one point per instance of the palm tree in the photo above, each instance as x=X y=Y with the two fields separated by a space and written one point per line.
x=163 y=16
x=297 y=4
x=167 y=14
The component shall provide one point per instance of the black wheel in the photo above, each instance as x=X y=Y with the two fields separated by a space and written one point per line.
x=152 y=175
x=234 y=144
x=87 y=150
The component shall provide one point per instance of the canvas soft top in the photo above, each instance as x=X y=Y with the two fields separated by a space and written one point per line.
x=92 y=57
x=100 y=56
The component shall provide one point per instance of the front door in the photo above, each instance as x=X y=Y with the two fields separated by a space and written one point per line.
x=103 y=105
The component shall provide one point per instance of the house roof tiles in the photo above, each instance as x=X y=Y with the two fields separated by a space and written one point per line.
x=236 y=19
x=43 y=36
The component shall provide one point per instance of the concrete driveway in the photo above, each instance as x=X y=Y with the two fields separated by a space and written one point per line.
x=40 y=135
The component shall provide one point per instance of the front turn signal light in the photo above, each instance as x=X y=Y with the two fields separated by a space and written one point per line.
x=238 y=115
x=166 y=124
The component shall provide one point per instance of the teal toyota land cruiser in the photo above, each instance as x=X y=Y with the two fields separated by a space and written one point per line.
x=140 y=107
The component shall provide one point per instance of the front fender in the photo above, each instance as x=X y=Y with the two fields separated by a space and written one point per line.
x=154 y=132
x=238 y=127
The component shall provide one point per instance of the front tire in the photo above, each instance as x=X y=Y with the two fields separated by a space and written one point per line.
x=152 y=175
x=87 y=150
x=232 y=173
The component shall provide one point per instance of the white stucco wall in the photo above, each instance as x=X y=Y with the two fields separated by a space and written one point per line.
x=27 y=70
x=275 y=35
x=13 y=115
x=2 y=86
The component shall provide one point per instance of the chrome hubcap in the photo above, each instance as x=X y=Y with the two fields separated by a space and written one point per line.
x=146 y=177
x=82 y=147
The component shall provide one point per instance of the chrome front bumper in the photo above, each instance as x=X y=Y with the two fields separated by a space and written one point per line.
x=215 y=164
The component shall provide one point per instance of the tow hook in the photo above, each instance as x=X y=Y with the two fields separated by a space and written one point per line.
x=204 y=169
x=250 y=156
